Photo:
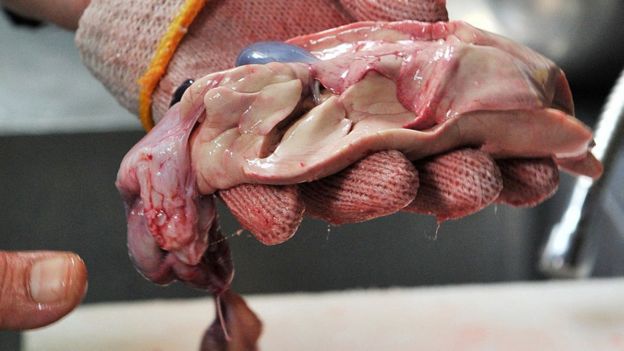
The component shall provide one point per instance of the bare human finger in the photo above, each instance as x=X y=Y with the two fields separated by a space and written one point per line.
x=38 y=288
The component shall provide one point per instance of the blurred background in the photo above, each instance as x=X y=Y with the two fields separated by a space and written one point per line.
x=62 y=138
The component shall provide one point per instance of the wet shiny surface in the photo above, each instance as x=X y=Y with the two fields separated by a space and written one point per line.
x=273 y=51
x=49 y=207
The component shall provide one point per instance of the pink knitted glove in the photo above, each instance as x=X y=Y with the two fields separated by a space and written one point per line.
x=118 y=39
x=448 y=180
x=448 y=189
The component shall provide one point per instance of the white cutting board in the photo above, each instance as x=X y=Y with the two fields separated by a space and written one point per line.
x=586 y=315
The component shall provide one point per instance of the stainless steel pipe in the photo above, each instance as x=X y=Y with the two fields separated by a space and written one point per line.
x=570 y=250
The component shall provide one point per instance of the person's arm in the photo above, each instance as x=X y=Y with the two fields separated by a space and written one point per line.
x=64 y=13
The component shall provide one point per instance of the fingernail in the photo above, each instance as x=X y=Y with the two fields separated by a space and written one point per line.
x=49 y=278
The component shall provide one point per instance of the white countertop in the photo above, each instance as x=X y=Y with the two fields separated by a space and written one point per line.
x=584 y=315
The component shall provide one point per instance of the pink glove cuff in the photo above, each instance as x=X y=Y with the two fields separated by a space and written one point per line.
x=142 y=50
x=127 y=45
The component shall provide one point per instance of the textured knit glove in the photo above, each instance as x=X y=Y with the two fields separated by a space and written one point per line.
x=119 y=40
x=142 y=51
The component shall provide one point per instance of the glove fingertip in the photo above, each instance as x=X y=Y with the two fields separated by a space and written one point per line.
x=528 y=182
x=378 y=185
x=271 y=213
x=456 y=184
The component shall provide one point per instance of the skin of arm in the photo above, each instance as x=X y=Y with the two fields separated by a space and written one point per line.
x=64 y=13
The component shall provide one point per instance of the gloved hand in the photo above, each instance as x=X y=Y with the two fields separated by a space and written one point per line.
x=451 y=185
x=118 y=40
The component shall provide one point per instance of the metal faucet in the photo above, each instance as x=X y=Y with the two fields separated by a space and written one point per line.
x=570 y=251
